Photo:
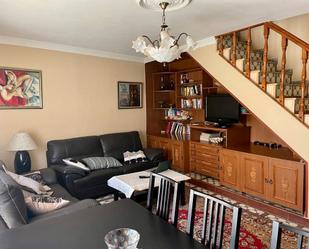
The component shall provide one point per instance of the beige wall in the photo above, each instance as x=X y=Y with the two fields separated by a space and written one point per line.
x=79 y=97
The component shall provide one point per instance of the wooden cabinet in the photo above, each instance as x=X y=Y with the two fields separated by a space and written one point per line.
x=204 y=159
x=230 y=169
x=176 y=150
x=166 y=146
x=286 y=183
x=153 y=142
x=254 y=172
x=177 y=155
x=276 y=180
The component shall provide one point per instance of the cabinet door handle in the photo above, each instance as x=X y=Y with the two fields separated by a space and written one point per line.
x=270 y=181
x=266 y=181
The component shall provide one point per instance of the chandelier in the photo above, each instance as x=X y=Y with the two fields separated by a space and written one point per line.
x=167 y=48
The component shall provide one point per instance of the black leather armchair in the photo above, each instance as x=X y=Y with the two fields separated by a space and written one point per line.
x=82 y=184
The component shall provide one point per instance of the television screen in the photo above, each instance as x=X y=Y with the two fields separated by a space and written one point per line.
x=222 y=109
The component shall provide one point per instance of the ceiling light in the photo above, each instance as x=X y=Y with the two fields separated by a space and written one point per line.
x=167 y=48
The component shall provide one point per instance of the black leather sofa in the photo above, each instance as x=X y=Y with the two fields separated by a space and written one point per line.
x=13 y=210
x=94 y=184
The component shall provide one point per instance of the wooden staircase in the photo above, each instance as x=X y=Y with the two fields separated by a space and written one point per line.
x=276 y=80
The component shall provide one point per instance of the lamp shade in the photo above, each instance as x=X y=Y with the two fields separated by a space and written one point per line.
x=21 y=142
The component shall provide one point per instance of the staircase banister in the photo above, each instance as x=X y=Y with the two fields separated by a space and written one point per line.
x=288 y=35
x=239 y=30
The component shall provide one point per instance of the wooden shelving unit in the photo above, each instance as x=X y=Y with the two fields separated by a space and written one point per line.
x=237 y=162
x=163 y=89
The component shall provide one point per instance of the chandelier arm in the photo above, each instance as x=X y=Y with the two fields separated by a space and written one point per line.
x=156 y=41
x=178 y=38
x=181 y=34
x=152 y=42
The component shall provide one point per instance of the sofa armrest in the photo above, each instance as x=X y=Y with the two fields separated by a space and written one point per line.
x=68 y=170
x=154 y=154
x=66 y=176
x=49 y=176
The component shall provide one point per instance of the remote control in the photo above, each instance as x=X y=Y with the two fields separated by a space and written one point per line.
x=143 y=177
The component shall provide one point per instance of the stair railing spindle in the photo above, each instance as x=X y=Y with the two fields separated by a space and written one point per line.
x=221 y=45
x=249 y=42
x=234 y=45
x=265 y=57
x=284 y=44
x=303 y=84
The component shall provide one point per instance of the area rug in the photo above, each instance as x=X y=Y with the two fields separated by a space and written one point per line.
x=255 y=230
x=246 y=239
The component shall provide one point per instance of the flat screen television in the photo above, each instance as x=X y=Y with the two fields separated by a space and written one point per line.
x=222 y=109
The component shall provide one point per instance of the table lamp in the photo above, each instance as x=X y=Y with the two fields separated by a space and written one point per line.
x=22 y=143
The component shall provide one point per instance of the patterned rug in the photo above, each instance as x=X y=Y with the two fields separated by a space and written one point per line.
x=255 y=231
x=246 y=239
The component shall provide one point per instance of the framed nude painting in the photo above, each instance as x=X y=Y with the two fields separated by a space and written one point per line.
x=20 y=88
x=130 y=95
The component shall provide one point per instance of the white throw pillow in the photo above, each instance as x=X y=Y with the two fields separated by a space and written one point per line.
x=75 y=163
x=40 y=204
x=135 y=155
x=28 y=182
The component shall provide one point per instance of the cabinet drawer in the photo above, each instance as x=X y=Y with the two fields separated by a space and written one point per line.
x=206 y=157
x=206 y=149
x=205 y=164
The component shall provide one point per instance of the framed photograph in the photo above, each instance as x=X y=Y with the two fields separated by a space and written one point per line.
x=130 y=95
x=20 y=88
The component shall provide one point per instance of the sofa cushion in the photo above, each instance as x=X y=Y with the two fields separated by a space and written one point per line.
x=13 y=209
x=137 y=166
x=115 y=144
x=76 y=148
x=95 y=163
x=96 y=178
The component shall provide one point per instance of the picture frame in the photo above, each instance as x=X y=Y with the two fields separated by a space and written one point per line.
x=130 y=95
x=20 y=88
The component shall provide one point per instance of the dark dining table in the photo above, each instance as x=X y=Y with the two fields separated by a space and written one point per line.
x=85 y=229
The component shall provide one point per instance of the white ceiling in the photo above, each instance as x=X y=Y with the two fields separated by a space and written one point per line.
x=107 y=27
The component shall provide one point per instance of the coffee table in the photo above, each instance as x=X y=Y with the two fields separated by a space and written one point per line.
x=131 y=184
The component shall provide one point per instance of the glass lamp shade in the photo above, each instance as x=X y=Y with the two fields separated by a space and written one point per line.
x=168 y=49
x=21 y=142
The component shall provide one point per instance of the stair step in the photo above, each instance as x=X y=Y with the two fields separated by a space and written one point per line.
x=227 y=41
x=227 y=53
x=291 y=90
x=271 y=89
x=258 y=65
x=293 y=105
x=274 y=77
x=289 y=103
x=255 y=76
x=297 y=105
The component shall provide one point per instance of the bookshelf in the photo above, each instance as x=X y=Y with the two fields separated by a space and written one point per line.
x=163 y=90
